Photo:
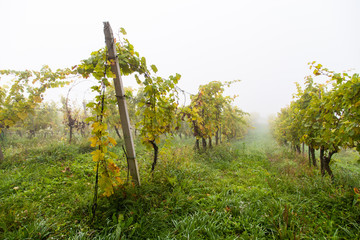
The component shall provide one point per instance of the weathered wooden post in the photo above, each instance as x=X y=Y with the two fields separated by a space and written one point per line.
x=1 y=155
x=120 y=95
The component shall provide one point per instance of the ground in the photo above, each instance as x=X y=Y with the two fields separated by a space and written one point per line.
x=248 y=189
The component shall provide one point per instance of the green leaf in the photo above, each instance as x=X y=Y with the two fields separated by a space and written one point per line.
x=138 y=81
x=122 y=30
x=318 y=66
x=154 y=68
x=90 y=119
x=143 y=61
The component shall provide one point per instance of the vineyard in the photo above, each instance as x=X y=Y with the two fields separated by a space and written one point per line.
x=145 y=164
x=323 y=116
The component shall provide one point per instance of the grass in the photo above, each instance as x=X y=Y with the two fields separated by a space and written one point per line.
x=252 y=189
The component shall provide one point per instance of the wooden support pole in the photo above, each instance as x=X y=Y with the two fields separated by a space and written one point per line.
x=120 y=95
x=303 y=149
x=1 y=155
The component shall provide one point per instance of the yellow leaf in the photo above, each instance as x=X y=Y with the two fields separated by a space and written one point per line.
x=119 y=180
x=112 y=141
x=93 y=141
x=37 y=99
x=8 y=122
x=113 y=168
x=97 y=155
x=106 y=184
x=96 y=126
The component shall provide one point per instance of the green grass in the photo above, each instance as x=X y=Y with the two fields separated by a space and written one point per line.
x=252 y=189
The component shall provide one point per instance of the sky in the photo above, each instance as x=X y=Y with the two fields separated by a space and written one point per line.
x=264 y=43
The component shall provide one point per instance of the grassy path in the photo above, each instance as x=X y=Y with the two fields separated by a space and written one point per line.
x=245 y=190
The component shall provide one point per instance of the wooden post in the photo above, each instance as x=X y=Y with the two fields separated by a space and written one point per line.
x=1 y=155
x=220 y=134
x=120 y=95
x=309 y=155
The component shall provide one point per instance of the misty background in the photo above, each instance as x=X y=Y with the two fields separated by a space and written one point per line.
x=266 y=44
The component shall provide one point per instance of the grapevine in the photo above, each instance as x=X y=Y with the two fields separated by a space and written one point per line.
x=26 y=92
x=324 y=116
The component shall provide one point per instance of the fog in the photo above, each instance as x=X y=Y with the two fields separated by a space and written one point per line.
x=266 y=44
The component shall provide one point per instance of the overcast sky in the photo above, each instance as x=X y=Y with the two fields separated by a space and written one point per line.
x=267 y=44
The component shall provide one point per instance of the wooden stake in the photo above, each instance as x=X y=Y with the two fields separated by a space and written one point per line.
x=1 y=155
x=120 y=95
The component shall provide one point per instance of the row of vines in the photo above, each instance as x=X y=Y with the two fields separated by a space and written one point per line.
x=325 y=116
x=155 y=109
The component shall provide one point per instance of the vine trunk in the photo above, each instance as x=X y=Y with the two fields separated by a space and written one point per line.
x=156 y=150
x=325 y=162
